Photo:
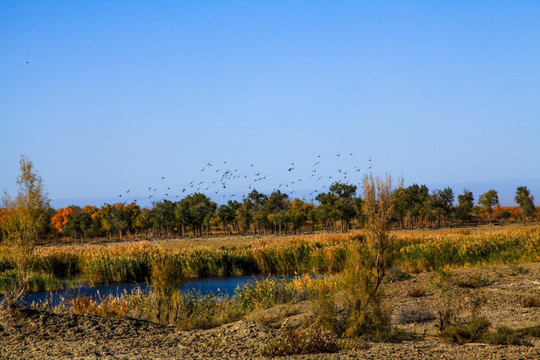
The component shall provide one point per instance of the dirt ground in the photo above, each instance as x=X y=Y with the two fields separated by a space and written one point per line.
x=29 y=334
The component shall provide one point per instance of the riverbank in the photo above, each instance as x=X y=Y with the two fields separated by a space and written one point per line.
x=505 y=289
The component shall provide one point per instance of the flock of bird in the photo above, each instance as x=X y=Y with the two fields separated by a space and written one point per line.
x=215 y=180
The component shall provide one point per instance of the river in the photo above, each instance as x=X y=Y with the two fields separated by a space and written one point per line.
x=220 y=286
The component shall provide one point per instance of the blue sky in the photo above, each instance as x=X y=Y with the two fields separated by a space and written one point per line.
x=106 y=97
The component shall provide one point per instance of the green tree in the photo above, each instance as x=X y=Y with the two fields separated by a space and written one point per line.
x=79 y=223
x=465 y=206
x=257 y=209
x=299 y=213
x=119 y=219
x=416 y=198
x=400 y=206
x=143 y=221
x=488 y=201
x=28 y=222
x=194 y=211
x=441 y=204
x=163 y=217
x=276 y=209
x=525 y=201
x=325 y=210
x=244 y=215
x=226 y=214
x=343 y=209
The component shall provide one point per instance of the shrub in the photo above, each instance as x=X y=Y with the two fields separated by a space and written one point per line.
x=531 y=301
x=475 y=281
x=81 y=304
x=303 y=340
x=197 y=311
x=533 y=331
x=265 y=293
x=167 y=277
x=473 y=331
x=505 y=336
x=416 y=292
x=517 y=270
x=447 y=302
x=110 y=306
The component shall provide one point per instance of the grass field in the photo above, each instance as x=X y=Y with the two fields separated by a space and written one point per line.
x=320 y=253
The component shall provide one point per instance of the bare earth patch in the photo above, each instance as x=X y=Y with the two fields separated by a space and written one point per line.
x=38 y=334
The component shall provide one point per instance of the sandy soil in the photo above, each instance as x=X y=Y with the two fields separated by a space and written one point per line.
x=30 y=334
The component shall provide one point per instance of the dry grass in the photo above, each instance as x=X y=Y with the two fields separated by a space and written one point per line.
x=417 y=291
x=531 y=301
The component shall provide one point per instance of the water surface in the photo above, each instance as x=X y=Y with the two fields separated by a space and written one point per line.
x=219 y=286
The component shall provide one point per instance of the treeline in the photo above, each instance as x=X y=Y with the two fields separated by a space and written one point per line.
x=339 y=209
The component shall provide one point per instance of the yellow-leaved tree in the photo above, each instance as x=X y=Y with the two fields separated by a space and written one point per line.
x=27 y=225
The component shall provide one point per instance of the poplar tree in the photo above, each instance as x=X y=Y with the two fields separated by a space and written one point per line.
x=525 y=201
x=27 y=223
x=489 y=200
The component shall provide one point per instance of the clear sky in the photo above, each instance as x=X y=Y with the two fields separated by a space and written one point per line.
x=110 y=96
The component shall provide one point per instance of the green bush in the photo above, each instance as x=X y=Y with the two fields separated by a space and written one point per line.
x=533 y=331
x=505 y=336
x=474 y=331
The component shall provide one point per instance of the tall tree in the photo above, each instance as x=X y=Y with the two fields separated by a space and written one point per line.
x=258 y=201
x=79 y=223
x=400 y=206
x=299 y=213
x=244 y=215
x=465 y=206
x=276 y=209
x=525 y=201
x=143 y=221
x=416 y=198
x=29 y=220
x=163 y=217
x=441 y=204
x=325 y=210
x=226 y=214
x=344 y=209
x=488 y=201
x=195 y=211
